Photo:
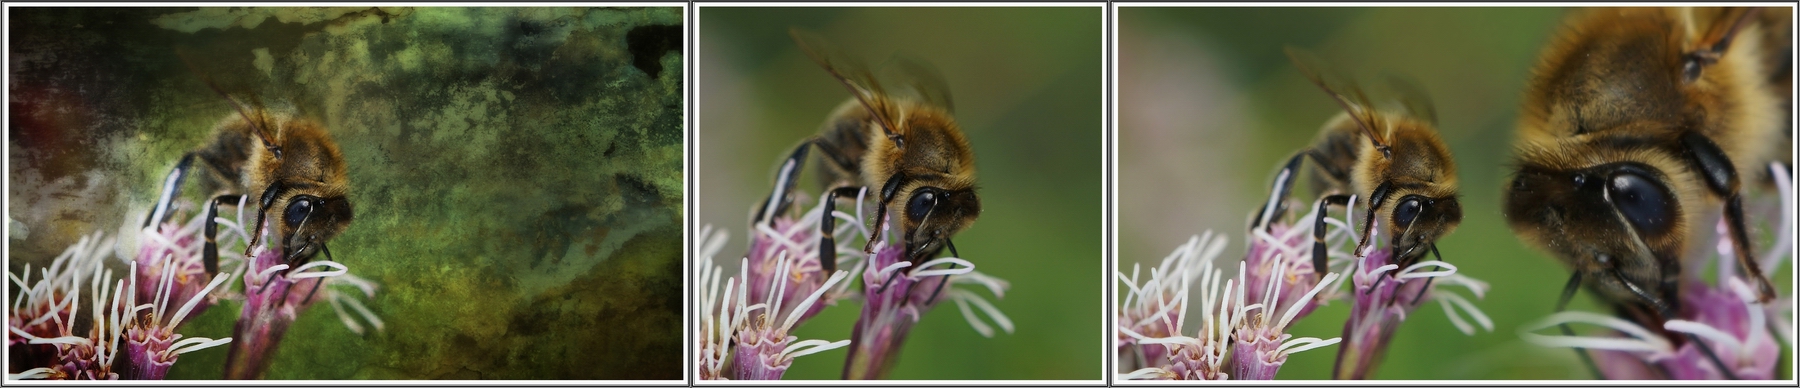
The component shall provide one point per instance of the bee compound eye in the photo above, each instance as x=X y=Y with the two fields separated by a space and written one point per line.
x=1407 y=211
x=1643 y=202
x=297 y=211
x=921 y=204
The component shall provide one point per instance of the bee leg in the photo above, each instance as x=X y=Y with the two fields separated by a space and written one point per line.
x=171 y=190
x=1721 y=178
x=262 y=210
x=210 y=255
x=1668 y=313
x=778 y=199
x=1563 y=303
x=1376 y=199
x=1321 y=258
x=888 y=190
x=828 y=224
x=1284 y=183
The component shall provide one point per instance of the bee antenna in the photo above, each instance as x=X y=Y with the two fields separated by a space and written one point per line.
x=262 y=130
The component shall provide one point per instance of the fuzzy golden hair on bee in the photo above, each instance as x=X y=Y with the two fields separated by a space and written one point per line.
x=1637 y=125
x=1611 y=66
x=896 y=137
x=288 y=166
x=1390 y=156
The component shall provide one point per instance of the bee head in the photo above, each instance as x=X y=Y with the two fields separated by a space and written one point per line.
x=1618 y=219
x=307 y=221
x=932 y=215
x=1418 y=220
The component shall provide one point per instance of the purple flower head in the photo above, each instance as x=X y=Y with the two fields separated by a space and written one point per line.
x=1383 y=295
x=151 y=344
x=1745 y=335
x=1240 y=336
x=275 y=293
x=42 y=324
x=779 y=261
x=745 y=341
x=897 y=293
x=46 y=307
x=118 y=322
x=172 y=251
x=1157 y=309
x=1261 y=342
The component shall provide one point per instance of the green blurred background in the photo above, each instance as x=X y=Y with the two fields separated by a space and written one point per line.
x=516 y=172
x=1209 y=106
x=1027 y=86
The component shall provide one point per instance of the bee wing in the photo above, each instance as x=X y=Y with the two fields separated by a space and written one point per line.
x=922 y=81
x=255 y=114
x=1341 y=89
x=1413 y=98
x=852 y=73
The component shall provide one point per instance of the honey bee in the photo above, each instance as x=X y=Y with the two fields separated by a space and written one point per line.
x=1392 y=160
x=287 y=164
x=903 y=141
x=1637 y=123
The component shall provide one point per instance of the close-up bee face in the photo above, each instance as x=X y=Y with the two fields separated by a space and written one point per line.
x=1641 y=126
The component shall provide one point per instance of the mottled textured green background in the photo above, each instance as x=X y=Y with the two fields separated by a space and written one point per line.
x=1026 y=82
x=516 y=172
x=1209 y=106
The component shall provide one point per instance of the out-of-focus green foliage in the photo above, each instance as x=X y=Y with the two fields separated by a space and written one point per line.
x=1027 y=88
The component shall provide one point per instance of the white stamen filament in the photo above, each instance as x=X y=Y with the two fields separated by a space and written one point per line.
x=926 y=269
x=808 y=347
x=1383 y=269
x=887 y=271
x=1294 y=310
x=30 y=374
x=345 y=318
x=272 y=269
x=1147 y=374
x=965 y=298
x=1446 y=299
x=1641 y=340
x=193 y=344
x=367 y=315
x=777 y=285
x=164 y=287
x=185 y=308
x=1412 y=271
x=1731 y=344
x=1784 y=236
x=806 y=304
x=1304 y=344
x=1477 y=287
x=303 y=273
x=1170 y=340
